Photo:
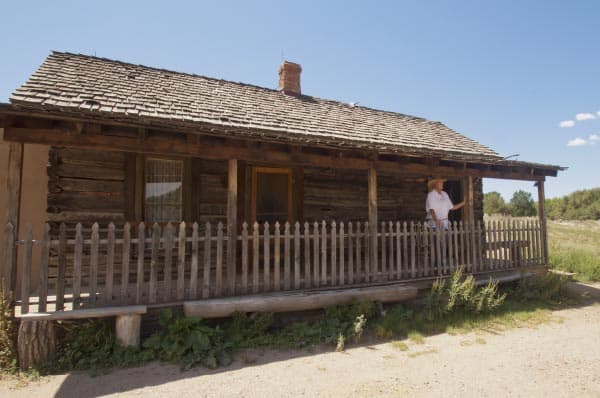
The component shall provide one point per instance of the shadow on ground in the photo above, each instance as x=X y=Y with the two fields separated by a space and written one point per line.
x=590 y=292
x=81 y=384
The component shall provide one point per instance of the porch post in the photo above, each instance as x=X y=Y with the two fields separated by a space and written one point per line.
x=373 y=220
x=542 y=217
x=468 y=196
x=231 y=224
x=13 y=189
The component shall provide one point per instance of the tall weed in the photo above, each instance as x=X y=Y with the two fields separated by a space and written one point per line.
x=8 y=351
x=459 y=293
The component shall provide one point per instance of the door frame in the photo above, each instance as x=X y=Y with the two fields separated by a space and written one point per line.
x=271 y=170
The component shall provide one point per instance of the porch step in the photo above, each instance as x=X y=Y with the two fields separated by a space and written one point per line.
x=296 y=301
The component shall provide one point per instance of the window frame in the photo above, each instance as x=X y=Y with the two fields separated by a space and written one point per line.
x=140 y=187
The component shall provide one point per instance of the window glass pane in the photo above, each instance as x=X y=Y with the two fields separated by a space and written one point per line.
x=163 y=190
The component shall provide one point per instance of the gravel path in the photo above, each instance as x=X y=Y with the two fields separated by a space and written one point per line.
x=558 y=359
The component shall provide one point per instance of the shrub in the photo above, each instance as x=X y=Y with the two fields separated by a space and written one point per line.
x=8 y=352
x=245 y=331
x=459 y=293
x=548 y=287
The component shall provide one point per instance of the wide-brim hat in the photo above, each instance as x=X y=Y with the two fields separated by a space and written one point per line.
x=433 y=181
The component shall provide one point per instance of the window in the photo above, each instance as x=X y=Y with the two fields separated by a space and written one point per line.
x=163 y=190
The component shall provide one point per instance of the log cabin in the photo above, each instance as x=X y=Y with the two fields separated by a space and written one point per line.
x=130 y=186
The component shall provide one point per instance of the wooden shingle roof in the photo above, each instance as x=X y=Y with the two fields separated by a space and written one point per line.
x=101 y=88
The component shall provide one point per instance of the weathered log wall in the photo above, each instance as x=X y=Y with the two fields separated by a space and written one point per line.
x=335 y=194
x=92 y=186
x=86 y=186
x=401 y=198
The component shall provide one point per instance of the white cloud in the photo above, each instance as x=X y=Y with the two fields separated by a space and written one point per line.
x=577 y=142
x=594 y=137
x=585 y=116
x=567 y=123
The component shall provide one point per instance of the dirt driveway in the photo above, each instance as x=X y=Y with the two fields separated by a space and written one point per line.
x=558 y=359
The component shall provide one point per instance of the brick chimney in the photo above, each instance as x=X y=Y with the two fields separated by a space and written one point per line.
x=289 y=78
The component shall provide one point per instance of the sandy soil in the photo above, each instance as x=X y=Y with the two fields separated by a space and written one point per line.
x=559 y=359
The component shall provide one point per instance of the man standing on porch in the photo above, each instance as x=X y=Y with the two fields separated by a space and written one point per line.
x=438 y=204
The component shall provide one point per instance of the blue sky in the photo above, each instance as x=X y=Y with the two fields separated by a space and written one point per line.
x=505 y=73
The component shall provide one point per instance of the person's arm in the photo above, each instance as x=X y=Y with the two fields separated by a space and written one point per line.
x=437 y=221
x=459 y=205
x=431 y=212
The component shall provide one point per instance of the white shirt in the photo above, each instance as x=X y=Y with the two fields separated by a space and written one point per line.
x=440 y=203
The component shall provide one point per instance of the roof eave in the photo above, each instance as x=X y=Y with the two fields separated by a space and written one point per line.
x=273 y=135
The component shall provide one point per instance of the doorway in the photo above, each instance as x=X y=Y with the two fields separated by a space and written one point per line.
x=271 y=194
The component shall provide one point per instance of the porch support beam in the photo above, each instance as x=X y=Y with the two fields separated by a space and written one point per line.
x=469 y=214
x=13 y=189
x=373 y=220
x=542 y=218
x=471 y=201
x=232 y=199
x=236 y=149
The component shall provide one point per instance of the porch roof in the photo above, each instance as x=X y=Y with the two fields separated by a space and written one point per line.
x=91 y=87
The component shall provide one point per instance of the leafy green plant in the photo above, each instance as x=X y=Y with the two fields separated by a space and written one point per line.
x=348 y=320
x=91 y=345
x=244 y=331
x=188 y=341
x=396 y=321
x=8 y=351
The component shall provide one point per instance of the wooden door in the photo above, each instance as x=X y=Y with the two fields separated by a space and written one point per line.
x=271 y=194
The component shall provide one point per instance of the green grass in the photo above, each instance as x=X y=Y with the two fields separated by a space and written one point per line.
x=400 y=345
x=416 y=337
x=574 y=246
x=425 y=352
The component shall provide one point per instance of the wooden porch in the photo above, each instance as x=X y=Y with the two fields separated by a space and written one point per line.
x=160 y=265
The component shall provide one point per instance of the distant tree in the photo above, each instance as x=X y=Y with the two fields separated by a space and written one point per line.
x=493 y=203
x=554 y=208
x=522 y=205
x=579 y=205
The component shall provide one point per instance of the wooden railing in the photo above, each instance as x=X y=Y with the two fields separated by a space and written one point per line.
x=91 y=267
